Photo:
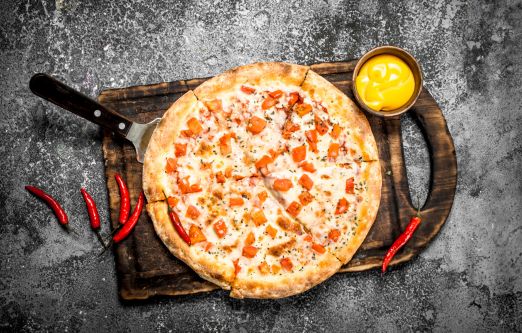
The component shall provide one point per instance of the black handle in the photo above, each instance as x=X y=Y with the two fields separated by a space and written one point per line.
x=66 y=97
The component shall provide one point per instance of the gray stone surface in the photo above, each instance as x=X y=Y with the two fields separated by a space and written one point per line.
x=467 y=280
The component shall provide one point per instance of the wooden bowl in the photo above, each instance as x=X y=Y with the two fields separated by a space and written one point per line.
x=409 y=60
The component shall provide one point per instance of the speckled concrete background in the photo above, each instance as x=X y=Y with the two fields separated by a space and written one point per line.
x=467 y=280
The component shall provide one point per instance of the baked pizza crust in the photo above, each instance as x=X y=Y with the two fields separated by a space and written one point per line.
x=341 y=107
x=161 y=144
x=258 y=74
x=367 y=211
x=286 y=284
x=210 y=270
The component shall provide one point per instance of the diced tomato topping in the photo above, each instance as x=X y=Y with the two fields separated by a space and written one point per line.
x=294 y=97
x=262 y=196
x=220 y=228
x=306 y=182
x=185 y=187
x=256 y=125
x=307 y=166
x=275 y=94
x=318 y=248
x=238 y=177
x=268 y=103
x=294 y=208
x=263 y=162
x=194 y=126
x=303 y=109
x=299 y=153
x=287 y=264
x=196 y=235
x=192 y=212
x=288 y=128
x=264 y=268
x=275 y=269
x=308 y=238
x=187 y=133
x=247 y=90
x=224 y=144
x=171 y=166
x=336 y=131
x=228 y=172
x=236 y=202
x=320 y=125
x=349 y=186
x=311 y=137
x=282 y=184
x=195 y=188
x=208 y=246
x=333 y=150
x=220 y=177
x=271 y=231
x=334 y=235
x=249 y=251
x=258 y=216
x=205 y=165
x=273 y=153
x=214 y=105
x=250 y=239
x=237 y=268
x=342 y=206
x=172 y=201
x=181 y=149
x=305 y=198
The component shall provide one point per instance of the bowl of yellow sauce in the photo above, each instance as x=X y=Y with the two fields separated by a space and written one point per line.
x=387 y=81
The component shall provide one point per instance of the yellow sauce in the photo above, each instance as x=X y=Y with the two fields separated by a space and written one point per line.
x=385 y=83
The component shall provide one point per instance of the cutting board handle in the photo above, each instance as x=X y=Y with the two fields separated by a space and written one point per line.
x=443 y=176
x=56 y=92
x=443 y=160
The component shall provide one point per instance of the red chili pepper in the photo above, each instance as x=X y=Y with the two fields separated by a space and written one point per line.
x=91 y=209
x=58 y=210
x=94 y=216
x=401 y=241
x=131 y=222
x=174 y=218
x=124 y=199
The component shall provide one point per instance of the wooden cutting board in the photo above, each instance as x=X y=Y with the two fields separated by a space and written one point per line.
x=146 y=268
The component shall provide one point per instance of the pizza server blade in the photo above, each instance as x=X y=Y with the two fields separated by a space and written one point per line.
x=54 y=91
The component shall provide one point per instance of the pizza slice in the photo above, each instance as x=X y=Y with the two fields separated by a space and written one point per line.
x=276 y=257
x=201 y=151
x=338 y=117
x=336 y=203
x=253 y=101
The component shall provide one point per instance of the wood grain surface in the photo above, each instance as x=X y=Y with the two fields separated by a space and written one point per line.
x=145 y=267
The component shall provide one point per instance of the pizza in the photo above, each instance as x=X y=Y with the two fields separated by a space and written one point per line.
x=265 y=179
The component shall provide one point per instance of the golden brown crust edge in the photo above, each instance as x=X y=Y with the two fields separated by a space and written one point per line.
x=257 y=74
x=162 y=142
x=210 y=271
x=341 y=107
x=367 y=212
x=287 y=284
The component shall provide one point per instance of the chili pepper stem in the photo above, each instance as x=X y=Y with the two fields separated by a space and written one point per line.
x=100 y=239
x=116 y=229
x=69 y=230
x=418 y=207
x=106 y=247
x=109 y=244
